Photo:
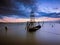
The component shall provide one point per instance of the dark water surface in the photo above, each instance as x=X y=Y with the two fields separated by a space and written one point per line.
x=16 y=34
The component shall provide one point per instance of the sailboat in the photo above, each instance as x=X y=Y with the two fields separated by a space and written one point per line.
x=31 y=26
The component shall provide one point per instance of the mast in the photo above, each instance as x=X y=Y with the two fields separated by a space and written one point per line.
x=32 y=19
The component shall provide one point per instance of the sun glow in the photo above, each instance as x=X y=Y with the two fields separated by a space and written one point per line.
x=10 y=19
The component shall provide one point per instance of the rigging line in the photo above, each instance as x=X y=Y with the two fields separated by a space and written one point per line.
x=51 y=32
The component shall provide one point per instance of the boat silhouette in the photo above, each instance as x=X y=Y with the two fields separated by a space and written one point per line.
x=31 y=26
x=34 y=28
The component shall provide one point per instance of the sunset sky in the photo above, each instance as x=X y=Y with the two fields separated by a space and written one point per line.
x=19 y=10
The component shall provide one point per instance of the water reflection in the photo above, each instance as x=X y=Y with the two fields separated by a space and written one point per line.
x=31 y=38
x=6 y=29
x=16 y=34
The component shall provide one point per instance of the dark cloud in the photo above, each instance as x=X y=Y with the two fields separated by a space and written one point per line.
x=53 y=15
x=5 y=3
x=12 y=3
x=27 y=2
x=5 y=6
x=9 y=12
x=9 y=7
x=16 y=7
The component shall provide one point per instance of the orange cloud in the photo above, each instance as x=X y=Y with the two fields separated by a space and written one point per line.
x=11 y=19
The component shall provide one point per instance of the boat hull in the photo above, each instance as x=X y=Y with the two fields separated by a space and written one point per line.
x=34 y=28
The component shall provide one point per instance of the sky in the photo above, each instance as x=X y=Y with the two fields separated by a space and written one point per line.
x=19 y=10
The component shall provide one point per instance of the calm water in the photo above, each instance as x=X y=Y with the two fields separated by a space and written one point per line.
x=17 y=34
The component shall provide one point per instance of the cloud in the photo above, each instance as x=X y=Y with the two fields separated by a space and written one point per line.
x=27 y=2
x=11 y=19
x=48 y=7
x=22 y=8
x=13 y=7
x=47 y=19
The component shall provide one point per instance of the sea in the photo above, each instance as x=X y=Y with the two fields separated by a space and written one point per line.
x=16 y=33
